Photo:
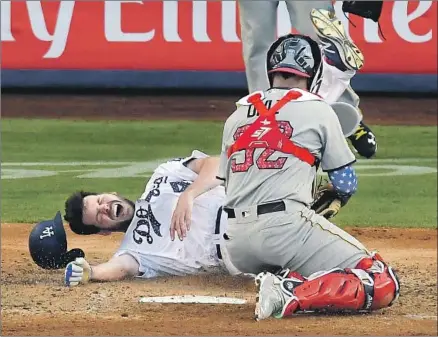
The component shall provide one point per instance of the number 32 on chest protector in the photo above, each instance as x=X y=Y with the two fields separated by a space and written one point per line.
x=263 y=161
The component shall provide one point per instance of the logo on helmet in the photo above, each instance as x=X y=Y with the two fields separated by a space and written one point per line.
x=47 y=233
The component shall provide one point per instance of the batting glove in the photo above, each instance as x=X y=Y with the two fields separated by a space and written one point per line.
x=77 y=271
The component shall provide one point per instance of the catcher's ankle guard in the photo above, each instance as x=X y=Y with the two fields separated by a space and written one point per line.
x=350 y=290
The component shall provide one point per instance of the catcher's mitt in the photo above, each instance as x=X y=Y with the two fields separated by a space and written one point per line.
x=326 y=201
x=366 y=9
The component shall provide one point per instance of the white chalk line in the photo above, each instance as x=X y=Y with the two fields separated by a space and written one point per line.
x=124 y=169
x=421 y=317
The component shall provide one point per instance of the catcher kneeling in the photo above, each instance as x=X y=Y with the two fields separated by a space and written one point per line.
x=272 y=223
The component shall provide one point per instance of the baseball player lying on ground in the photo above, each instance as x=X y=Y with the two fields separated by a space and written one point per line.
x=268 y=164
x=147 y=249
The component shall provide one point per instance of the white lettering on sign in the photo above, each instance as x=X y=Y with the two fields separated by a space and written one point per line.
x=371 y=32
x=113 y=24
x=62 y=26
x=402 y=19
x=229 y=27
x=6 y=21
x=199 y=21
x=170 y=21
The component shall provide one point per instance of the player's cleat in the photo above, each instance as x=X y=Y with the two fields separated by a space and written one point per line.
x=269 y=299
x=364 y=141
x=275 y=297
x=339 y=50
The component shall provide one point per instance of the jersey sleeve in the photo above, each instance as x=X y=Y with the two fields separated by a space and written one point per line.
x=336 y=152
x=177 y=168
x=144 y=270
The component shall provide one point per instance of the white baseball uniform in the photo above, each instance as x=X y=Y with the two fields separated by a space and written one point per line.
x=148 y=237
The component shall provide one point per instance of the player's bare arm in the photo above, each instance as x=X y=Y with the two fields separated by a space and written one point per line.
x=118 y=268
x=207 y=169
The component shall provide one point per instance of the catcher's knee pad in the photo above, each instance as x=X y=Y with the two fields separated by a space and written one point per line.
x=386 y=285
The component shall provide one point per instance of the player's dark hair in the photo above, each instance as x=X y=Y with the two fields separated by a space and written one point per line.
x=74 y=207
x=286 y=75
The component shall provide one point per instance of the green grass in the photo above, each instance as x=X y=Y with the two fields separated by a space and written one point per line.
x=406 y=142
x=61 y=140
x=402 y=201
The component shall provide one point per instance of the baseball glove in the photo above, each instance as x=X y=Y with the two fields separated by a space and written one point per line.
x=366 y=9
x=326 y=201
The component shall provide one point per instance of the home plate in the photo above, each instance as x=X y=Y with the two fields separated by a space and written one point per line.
x=193 y=299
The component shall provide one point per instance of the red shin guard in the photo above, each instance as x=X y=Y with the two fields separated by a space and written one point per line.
x=370 y=286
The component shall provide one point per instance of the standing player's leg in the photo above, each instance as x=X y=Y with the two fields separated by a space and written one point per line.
x=258 y=22
x=342 y=58
x=363 y=140
x=346 y=56
x=327 y=269
x=299 y=14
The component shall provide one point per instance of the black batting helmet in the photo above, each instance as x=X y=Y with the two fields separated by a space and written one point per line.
x=296 y=54
x=48 y=244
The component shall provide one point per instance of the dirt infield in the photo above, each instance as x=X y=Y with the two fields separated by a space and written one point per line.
x=35 y=302
x=377 y=110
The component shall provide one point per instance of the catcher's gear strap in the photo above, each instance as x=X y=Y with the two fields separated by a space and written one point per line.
x=341 y=290
x=267 y=133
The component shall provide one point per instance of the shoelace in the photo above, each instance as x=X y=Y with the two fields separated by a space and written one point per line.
x=378 y=24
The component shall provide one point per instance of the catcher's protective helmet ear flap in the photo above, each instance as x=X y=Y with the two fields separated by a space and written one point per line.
x=296 y=54
x=48 y=244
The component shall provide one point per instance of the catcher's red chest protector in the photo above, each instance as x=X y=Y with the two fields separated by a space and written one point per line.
x=265 y=133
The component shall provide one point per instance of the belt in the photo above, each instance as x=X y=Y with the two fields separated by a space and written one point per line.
x=271 y=207
x=217 y=230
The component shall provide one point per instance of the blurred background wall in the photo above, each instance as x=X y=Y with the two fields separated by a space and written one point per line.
x=191 y=45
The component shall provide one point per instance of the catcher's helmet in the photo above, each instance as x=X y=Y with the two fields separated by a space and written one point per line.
x=48 y=244
x=296 y=54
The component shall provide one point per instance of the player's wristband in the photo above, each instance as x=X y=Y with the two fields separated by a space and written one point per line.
x=344 y=181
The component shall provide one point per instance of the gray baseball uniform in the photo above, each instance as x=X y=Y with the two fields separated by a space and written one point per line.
x=296 y=238
x=258 y=21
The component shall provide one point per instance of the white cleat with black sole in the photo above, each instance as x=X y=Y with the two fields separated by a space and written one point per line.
x=340 y=51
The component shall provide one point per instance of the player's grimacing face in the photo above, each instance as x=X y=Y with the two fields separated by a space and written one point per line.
x=106 y=210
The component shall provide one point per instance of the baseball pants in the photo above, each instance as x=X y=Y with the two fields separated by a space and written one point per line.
x=298 y=239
